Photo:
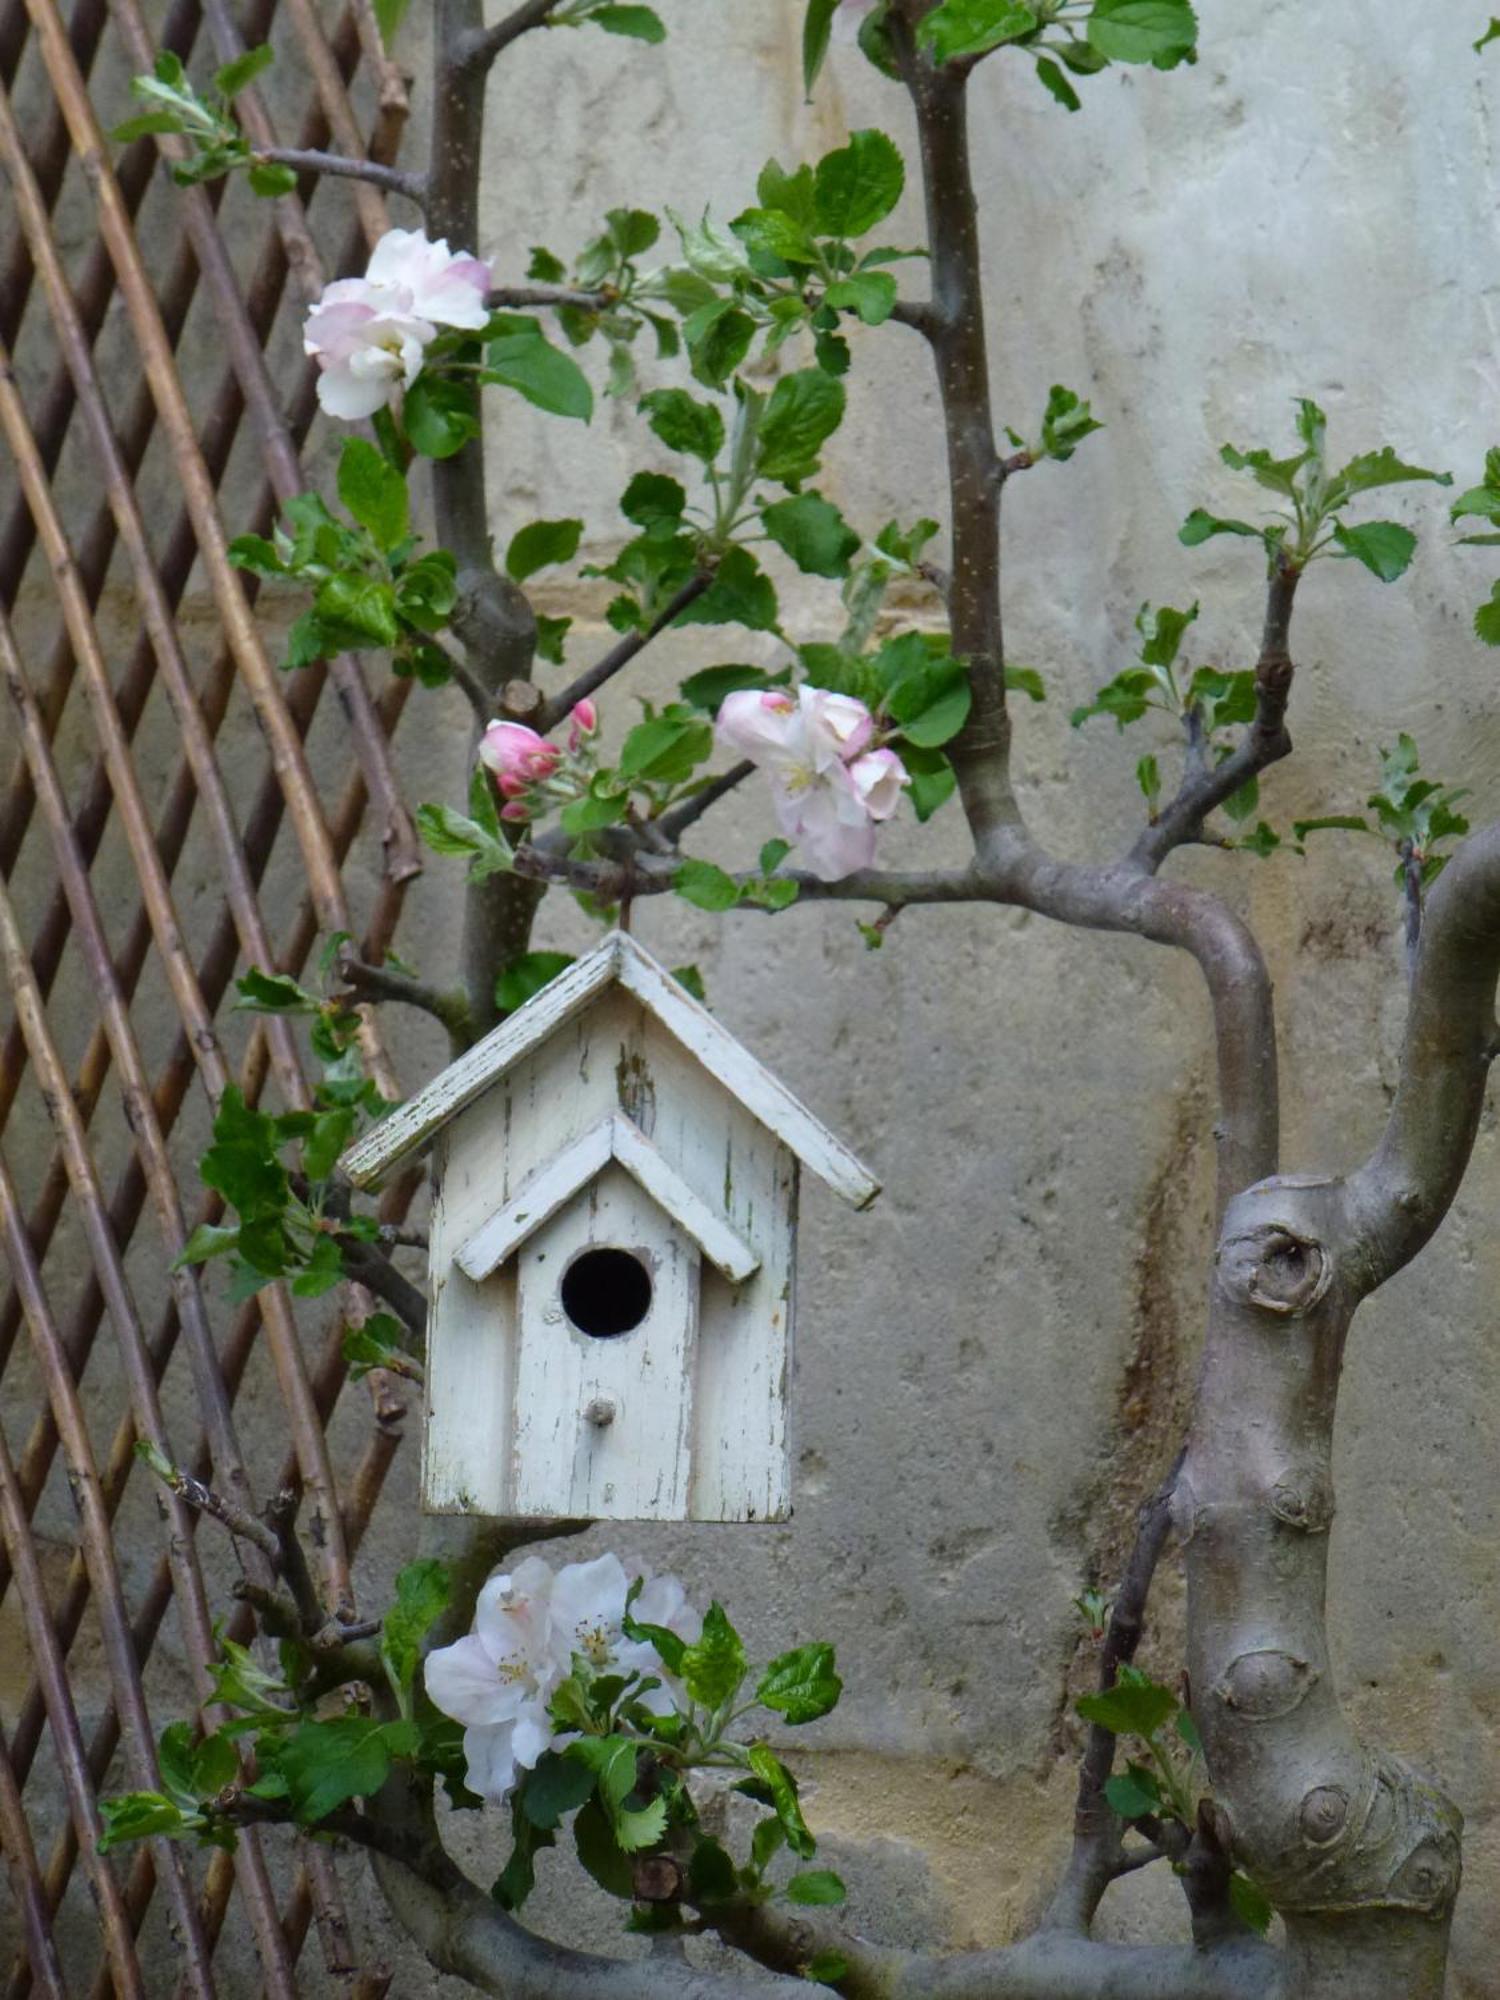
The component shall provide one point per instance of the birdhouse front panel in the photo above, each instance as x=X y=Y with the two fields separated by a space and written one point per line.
x=607 y=1330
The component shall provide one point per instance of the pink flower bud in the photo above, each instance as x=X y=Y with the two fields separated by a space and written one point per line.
x=516 y=809
x=512 y=751
x=584 y=717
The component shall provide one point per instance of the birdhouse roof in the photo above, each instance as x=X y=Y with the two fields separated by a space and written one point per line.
x=410 y=1129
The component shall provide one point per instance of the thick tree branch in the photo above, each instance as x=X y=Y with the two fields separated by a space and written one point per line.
x=620 y=657
x=306 y=160
x=370 y=1267
x=1402 y=1192
x=1266 y=740
x=379 y=982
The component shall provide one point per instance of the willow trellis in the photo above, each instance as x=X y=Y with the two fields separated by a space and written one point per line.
x=162 y=827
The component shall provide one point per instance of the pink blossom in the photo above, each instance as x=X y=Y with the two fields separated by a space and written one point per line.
x=518 y=757
x=879 y=777
x=369 y=333
x=584 y=718
x=368 y=345
x=811 y=744
x=443 y=286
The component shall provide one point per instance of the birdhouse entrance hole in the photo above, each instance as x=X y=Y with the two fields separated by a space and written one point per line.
x=606 y=1293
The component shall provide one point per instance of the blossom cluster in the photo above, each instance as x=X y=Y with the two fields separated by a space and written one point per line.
x=529 y=1624
x=369 y=334
x=527 y=767
x=829 y=787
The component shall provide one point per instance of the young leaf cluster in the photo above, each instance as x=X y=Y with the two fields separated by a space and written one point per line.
x=1310 y=524
x=1417 y=816
x=219 y=145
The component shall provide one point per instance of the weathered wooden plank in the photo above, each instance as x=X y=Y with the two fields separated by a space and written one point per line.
x=603 y=1425
x=568 y=1172
x=414 y=1125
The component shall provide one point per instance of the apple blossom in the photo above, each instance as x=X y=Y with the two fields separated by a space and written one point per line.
x=368 y=344
x=584 y=720
x=827 y=788
x=499 y=1680
x=879 y=777
x=368 y=334
x=444 y=286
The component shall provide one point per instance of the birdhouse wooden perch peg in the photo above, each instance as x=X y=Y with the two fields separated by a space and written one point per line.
x=613 y=1242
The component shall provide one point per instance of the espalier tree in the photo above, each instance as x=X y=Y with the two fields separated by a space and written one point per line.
x=609 y=1712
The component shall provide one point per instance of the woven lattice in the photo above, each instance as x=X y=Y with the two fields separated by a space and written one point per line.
x=161 y=829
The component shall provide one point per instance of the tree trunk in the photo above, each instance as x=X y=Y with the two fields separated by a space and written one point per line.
x=1359 y=1854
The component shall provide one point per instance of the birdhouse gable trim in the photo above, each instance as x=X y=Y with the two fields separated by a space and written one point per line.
x=568 y=1172
x=413 y=1126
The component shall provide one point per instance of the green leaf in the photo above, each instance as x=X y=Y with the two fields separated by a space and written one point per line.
x=813 y=532
x=376 y=1344
x=740 y=594
x=819 y=1888
x=1163 y=32
x=268 y=179
x=826 y=1968
x=149 y=123
x=667 y=749
x=817 y=32
x=525 y=977
x=804 y=410
x=781 y=1788
x=684 y=424
x=1201 y=526
x=1384 y=547
x=765 y=232
x=1066 y=422
x=374 y=492
x=714 y=1666
x=140 y=1816
x=771 y=857
x=324 y=1144
x=871 y=294
x=859 y=185
x=1379 y=468
x=1487 y=619
x=1250 y=1904
x=718 y=338
x=1053 y=79
x=556 y=1786
x=1491 y=34
x=600 y=1853
x=439 y=415
x=801 y=1685
x=973 y=27
x=325 y=1764
x=234 y=76
x=706 y=886
x=389 y=14
x=712 y=1877
x=517 y=1878
x=1148 y=777
x=540 y=545
x=708 y=688
x=209 y=1239
x=422 y=1592
x=1134 y=1792
x=520 y=357
x=642 y=24
x=652 y=497
x=1025 y=680
x=1130 y=1708
x=1162 y=632
x=272 y=993
x=448 y=832
x=357 y=610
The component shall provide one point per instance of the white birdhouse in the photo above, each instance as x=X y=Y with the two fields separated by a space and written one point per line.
x=614 y=1230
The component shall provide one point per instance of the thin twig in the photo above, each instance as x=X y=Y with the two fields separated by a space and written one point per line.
x=523 y=298
x=308 y=160
x=380 y=982
x=675 y=823
x=620 y=656
x=480 y=50
x=291 y=1560
x=246 y=1527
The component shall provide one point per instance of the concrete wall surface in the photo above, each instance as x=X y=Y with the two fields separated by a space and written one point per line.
x=995 y=1362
